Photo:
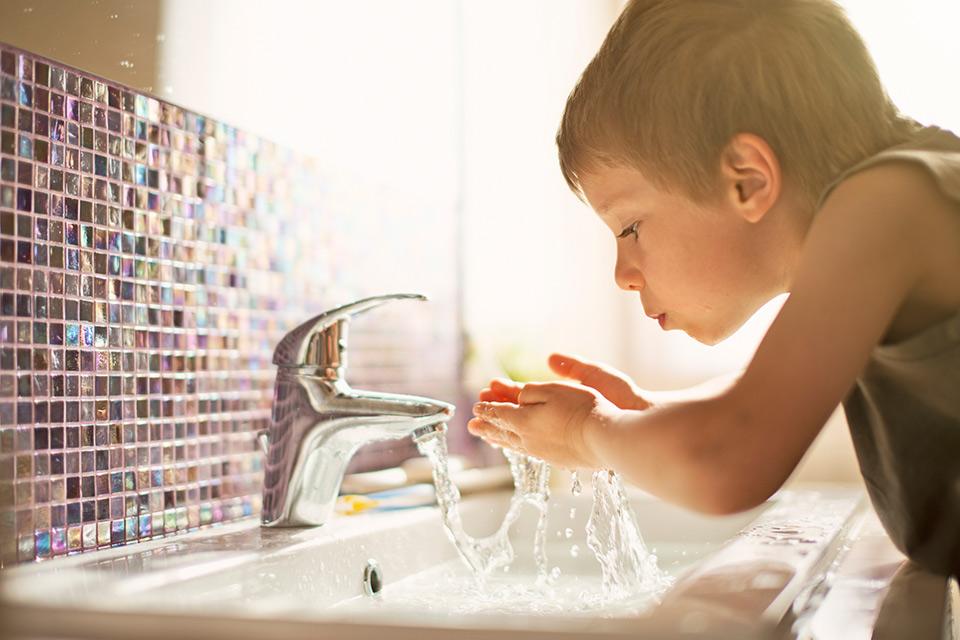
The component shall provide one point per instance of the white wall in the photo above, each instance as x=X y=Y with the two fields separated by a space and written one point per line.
x=539 y=264
x=917 y=52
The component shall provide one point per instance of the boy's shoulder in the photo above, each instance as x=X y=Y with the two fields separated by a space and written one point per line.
x=898 y=186
x=903 y=205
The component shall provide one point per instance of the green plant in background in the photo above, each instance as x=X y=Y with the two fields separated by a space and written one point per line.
x=520 y=360
x=523 y=364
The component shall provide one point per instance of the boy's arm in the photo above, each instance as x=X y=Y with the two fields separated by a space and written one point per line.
x=864 y=253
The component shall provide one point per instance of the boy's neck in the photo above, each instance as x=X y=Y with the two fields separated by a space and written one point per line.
x=791 y=222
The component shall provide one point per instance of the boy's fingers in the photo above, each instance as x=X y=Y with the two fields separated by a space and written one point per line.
x=500 y=390
x=562 y=363
x=507 y=389
x=534 y=393
x=489 y=395
x=477 y=427
x=493 y=435
x=613 y=384
x=587 y=372
x=500 y=414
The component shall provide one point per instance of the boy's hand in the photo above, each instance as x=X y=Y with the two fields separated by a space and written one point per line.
x=614 y=385
x=548 y=420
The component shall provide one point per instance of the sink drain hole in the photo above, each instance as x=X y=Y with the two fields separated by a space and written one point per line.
x=372 y=578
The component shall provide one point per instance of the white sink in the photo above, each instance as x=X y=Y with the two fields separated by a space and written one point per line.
x=736 y=576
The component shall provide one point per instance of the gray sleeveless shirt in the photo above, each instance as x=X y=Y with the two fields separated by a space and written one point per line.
x=904 y=410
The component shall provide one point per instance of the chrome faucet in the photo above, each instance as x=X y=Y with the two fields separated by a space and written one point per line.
x=319 y=422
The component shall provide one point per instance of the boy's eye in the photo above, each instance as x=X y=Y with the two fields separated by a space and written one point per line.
x=630 y=229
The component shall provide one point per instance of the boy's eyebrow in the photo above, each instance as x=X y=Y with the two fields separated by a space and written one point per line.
x=623 y=197
x=603 y=208
x=611 y=210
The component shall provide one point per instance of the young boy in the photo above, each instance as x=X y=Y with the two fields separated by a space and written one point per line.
x=738 y=149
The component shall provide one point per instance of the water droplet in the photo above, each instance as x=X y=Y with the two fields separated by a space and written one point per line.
x=573 y=512
x=114 y=16
x=568 y=533
x=555 y=573
x=28 y=9
x=575 y=487
x=126 y=64
x=161 y=37
x=574 y=551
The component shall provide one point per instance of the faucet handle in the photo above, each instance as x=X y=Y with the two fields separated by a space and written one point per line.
x=322 y=340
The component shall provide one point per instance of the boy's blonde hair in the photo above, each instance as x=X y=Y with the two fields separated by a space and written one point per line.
x=675 y=80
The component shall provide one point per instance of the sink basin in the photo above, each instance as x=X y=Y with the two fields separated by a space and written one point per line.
x=737 y=576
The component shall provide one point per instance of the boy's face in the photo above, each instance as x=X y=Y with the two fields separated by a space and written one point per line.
x=695 y=269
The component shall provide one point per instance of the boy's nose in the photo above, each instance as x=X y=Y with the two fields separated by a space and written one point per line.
x=628 y=277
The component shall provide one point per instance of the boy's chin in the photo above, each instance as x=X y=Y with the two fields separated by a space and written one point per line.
x=709 y=340
x=722 y=328
x=711 y=336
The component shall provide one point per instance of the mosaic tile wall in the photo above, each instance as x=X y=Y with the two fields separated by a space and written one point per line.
x=150 y=259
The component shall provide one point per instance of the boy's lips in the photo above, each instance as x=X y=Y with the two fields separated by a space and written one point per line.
x=659 y=317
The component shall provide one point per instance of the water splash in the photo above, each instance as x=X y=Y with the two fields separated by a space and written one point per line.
x=531 y=479
x=626 y=566
x=445 y=590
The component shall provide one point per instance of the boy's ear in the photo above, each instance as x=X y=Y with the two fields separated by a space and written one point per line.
x=750 y=175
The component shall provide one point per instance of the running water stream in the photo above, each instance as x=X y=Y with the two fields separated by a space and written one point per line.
x=627 y=568
x=531 y=479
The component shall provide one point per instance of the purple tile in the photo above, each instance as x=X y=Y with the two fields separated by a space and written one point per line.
x=58 y=540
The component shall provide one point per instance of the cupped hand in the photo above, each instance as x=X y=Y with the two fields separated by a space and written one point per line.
x=548 y=420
